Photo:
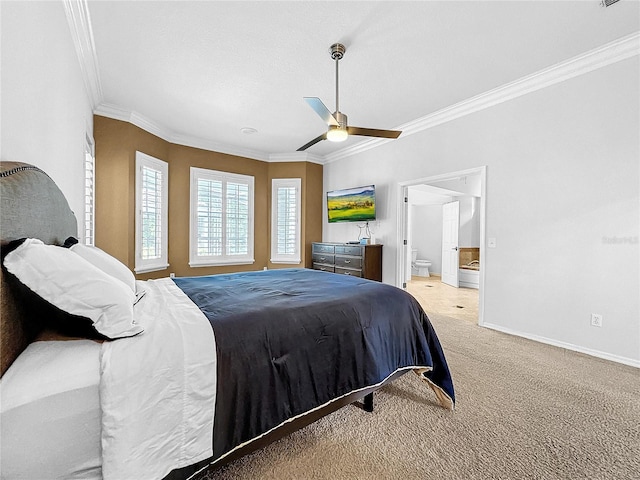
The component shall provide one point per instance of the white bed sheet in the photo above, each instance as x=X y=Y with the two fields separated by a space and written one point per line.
x=49 y=401
x=158 y=389
x=131 y=408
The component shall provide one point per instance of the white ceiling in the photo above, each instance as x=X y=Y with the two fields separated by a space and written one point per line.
x=206 y=69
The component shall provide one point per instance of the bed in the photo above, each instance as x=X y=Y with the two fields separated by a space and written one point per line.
x=204 y=370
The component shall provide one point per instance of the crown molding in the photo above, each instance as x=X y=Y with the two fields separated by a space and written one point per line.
x=112 y=111
x=616 y=51
x=296 y=157
x=189 y=141
x=79 y=21
x=119 y=113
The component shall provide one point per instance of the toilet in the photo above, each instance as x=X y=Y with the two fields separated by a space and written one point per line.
x=421 y=266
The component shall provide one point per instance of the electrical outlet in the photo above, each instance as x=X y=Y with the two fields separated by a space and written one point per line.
x=172 y=275
x=596 y=320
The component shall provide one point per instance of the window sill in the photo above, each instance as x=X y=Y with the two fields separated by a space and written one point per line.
x=292 y=261
x=150 y=268
x=201 y=263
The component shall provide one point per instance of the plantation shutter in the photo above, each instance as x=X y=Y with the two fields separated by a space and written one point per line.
x=285 y=220
x=237 y=216
x=89 y=194
x=209 y=214
x=221 y=218
x=151 y=212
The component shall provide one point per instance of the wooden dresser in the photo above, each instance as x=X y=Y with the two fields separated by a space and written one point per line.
x=349 y=259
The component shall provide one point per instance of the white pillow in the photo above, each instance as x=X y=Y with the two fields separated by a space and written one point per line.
x=74 y=285
x=105 y=262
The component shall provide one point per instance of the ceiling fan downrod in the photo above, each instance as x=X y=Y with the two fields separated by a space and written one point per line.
x=337 y=51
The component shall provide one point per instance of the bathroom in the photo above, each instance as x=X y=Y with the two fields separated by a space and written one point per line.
x=426 y=227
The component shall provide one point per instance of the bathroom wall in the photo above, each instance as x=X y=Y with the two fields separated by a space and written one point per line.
x=469 y=232
x=426 y=234
x=426 y=228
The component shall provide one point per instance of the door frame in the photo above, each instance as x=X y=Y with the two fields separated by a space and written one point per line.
x=402 y=227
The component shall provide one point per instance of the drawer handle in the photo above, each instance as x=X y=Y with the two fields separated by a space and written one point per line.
x=347 y=261
x=323 y=269
x=347 y=273
x=322 y=258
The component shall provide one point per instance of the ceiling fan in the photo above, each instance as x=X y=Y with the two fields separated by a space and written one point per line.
x=337 y=121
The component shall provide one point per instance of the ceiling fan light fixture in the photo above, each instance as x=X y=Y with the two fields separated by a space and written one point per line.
x=337 y=134
x=339 y=129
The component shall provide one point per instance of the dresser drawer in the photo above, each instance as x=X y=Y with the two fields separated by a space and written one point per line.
x=320 y=248
x=324 y=268
x=349 y=262
x=347 y=271
x=349 y=250
x=322 y=258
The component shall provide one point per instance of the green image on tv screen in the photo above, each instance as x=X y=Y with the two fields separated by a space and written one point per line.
x=352 y=204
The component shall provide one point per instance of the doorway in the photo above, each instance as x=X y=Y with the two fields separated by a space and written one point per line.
x=445 y=183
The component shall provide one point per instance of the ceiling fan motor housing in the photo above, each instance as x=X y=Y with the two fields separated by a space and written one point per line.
x=337 y=51
x=341 y=118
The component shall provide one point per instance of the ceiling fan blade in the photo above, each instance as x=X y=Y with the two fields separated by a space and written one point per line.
x=373 y=132
x=321 y=110
x=313 y=142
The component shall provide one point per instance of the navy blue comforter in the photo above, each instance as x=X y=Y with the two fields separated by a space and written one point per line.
x=291 y=340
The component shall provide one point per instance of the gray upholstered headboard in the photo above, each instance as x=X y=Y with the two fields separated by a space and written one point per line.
x=31 y=205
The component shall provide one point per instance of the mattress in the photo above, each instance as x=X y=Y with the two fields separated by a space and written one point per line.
x=49 y=400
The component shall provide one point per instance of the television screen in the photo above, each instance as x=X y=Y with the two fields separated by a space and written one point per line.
x=352 y=204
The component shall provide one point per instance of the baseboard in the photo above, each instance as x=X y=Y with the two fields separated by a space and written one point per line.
x=569 y=346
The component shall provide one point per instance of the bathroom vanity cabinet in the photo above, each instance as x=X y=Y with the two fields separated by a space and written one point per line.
x=348 y=259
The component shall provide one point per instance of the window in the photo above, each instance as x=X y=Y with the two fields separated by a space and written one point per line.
x=221 y=218
x=152 y=196
x=285 y=220
x=89 y=191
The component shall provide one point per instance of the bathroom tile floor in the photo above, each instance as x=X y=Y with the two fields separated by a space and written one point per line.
x=443 y=299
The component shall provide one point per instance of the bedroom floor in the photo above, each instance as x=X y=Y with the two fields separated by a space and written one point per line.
x=440 y=298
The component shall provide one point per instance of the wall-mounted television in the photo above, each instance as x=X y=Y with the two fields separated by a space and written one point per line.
x=352 y=204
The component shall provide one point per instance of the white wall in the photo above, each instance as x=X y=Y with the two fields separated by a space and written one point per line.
x=45 y=108
x=562 y=202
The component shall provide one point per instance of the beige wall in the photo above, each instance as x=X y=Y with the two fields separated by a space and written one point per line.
x=313 y=198
x=116 y=145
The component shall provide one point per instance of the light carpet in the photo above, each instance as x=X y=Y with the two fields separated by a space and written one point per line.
x=524 y=410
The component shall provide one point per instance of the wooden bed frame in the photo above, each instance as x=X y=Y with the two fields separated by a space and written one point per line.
x=363 y=399
x=32 y=206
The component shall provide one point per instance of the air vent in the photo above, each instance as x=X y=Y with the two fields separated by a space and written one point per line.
x=608 y=3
